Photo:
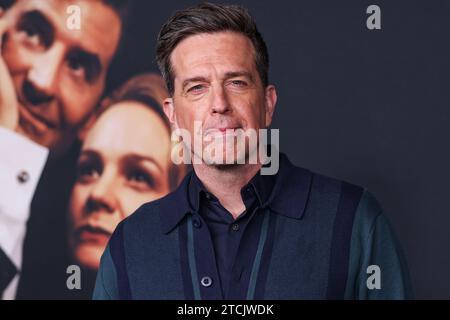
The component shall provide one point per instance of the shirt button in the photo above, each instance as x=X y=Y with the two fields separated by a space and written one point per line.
x=197 y=223
x=23 y=176
x=235 y=227
x=206 y=282
x=208 y=196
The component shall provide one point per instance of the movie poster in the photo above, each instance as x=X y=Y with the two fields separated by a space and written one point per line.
x=250 y=150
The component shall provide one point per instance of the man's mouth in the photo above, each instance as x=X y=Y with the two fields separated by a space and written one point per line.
x=222 y=130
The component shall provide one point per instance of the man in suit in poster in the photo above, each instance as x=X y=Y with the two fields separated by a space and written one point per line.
x=51 y=79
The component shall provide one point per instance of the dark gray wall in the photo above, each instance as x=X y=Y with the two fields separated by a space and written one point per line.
x=369 y=107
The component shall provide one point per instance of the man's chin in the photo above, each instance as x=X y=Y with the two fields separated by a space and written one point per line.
x=57 y=149
x=28 y=132
x=226 y=160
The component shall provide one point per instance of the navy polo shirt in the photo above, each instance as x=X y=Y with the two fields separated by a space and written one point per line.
x=234 y=242
x=314 y=237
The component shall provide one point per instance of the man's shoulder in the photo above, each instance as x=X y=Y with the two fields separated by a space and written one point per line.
x=150 y=213
x=322 y=185
x=367 y=207
x=345 y=198
x=319 y=184
x=144 y=224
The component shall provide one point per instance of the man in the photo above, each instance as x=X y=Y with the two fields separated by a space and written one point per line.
x=230 y=232
x=51 y=78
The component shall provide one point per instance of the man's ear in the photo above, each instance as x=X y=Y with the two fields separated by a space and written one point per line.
x=271 y=101
x=169 y=110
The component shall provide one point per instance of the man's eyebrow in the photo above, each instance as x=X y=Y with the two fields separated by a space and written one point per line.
x=235 y=74
x=228 y=75
x=193 y=79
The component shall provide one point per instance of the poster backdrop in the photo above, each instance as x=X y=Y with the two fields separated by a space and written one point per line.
x=369 y=106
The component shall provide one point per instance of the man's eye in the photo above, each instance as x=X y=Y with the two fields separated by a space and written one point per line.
x=30 y=31
x=196 y=89
x=33 y=35
x=77 y=66
x=36 y=30
x=238 y=83
x=83 y=65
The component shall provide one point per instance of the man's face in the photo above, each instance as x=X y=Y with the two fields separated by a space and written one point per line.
x=217 y=84
x=59 y=74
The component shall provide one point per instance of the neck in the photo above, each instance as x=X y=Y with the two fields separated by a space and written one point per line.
x=225 y=183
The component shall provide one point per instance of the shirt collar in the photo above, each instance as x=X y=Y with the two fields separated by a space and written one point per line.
x=285 y=193
x=260 y=186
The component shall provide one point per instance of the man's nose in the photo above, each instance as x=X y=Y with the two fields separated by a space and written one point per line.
x=44 y=71
x=103 y=195
x=220 y=102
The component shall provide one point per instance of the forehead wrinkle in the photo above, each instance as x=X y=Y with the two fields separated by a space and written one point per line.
x=212 y=59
